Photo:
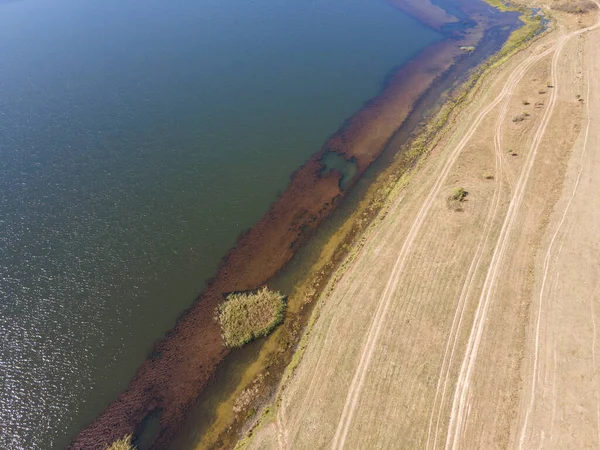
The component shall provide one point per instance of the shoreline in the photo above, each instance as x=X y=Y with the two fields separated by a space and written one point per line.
x=222 y=426
x=388 y=184
x=413 y=385
x=169 y=380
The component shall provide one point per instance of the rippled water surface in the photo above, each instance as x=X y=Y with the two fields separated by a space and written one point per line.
x=138 y=138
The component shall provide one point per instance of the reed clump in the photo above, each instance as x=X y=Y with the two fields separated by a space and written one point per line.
x=245 y=316
x=122 y=444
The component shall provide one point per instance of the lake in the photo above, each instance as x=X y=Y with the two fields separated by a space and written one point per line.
x=138 y=140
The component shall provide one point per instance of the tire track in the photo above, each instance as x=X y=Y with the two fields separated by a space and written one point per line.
x=476 y=263
x=280 y=429
x=293 y=426
x=460 y=406
x=594 y=338
x=449 y=352
x=547 y=261
x=390 y=288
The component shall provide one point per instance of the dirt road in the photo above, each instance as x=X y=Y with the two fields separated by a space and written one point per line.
x=474 y=324
x=561 y=407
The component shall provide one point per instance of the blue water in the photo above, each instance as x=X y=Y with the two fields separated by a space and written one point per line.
x=137 y=140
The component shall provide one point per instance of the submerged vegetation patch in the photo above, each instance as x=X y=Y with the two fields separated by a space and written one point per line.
x=346 y=167
x=245 y=316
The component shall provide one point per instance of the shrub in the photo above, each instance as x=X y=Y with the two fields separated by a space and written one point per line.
x=122 y=444
x=245 y=316
x=459 y=195
x=455 y=201
x=521 y=117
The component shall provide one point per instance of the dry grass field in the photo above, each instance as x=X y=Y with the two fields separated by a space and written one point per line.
x=474 y=326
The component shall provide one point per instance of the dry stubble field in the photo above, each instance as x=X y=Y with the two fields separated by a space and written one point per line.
x=474 y=328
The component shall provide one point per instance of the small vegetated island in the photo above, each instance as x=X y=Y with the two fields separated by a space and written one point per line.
x=245 y=316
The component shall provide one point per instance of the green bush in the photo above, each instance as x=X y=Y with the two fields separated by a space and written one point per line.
x=459 y=195
x=245 y=316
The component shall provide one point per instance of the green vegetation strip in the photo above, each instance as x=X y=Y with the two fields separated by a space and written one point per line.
x=245 y=316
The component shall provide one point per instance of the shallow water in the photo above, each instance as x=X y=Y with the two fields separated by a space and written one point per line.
x=138 y=139
x=211 y=415
x=348 y=169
